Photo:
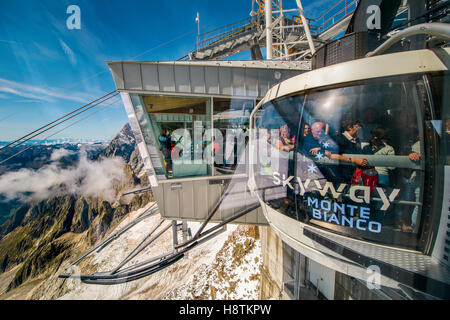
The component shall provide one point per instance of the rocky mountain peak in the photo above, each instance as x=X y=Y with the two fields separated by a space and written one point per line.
x=125 y=136
x=122 y=145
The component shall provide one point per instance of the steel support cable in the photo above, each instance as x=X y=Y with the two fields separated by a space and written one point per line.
x=147 y=262
x=140 y=54
x=132 y=273
x=228 y=186
x=133 y=277
x=123 y=277
x=148 y=270
x=112 y=237
x=12 y=114
x=142 y=245
x=106 y=70
x=48 y=124
x=167 y=254
x=53 y=134
x=60 y=122
x=115 y=235
x=107 y=241
x=129 y=226
x=149 y=212
x=199 y=233
x=208 y=218
x=425 y=15
x=236 y=216
x=137 y=191
x=132 y=58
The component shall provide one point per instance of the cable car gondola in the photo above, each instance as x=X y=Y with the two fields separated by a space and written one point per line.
x=386 y=117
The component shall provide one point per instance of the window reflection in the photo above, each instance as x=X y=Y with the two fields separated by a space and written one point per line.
x=354 y=162
x=181 y=125
x=446 y=139
x=359 y=135
x=231 y=123
x=277 y=134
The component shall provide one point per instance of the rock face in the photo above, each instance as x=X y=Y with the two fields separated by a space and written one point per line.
x=40 y=235
x=233 y=274
x=123 y=145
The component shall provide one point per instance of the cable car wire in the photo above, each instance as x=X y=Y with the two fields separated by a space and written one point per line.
x=130 y=274
x=53 y=134
x=85 y=107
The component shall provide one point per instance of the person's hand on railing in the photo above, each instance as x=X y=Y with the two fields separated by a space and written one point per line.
x=361 y=162
x=414 y=156
x=314 y=151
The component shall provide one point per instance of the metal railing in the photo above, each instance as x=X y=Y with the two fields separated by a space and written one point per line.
x=339 y=11
x=335 y=14
x=290 y=25
x=217 y=35
x=241 y=28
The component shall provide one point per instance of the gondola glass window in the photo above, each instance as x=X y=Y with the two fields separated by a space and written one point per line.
x=231 y=124
x=180 y=126
x=440 y=88
x=353 y=164
x=277 y=133
x=364 y=157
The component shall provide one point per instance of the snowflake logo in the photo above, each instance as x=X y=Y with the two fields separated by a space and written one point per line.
x=312 y=168
x=326 y=144
x=319 y=156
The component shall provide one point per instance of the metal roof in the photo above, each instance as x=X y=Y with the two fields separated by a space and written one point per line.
x=246 y=79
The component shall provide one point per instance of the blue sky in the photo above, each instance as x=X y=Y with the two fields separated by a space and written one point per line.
x=47 y=70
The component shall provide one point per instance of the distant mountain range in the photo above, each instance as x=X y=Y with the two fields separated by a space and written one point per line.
x=50 y=142
x=37 y=235
x=35 y=156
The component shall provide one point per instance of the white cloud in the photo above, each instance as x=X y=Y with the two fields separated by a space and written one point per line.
x=27 y=101
x=87 y=178
x=20 y=93
x=69 y=53
x=10 y=41
x=45 y=52
x=35 y=92
x=60 y=153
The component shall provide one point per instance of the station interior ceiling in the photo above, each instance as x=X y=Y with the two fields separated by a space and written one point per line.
x=170 y=104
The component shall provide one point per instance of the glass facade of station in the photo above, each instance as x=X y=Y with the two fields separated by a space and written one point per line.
x=190 y=137
x=190 y=118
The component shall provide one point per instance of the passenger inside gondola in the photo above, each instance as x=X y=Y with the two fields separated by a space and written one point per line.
x=349 y=143
x=306 y=130
x=378 y=145
x=165 y=143
x=318 y=142
x=349 y=151
x=285 y=141
x=319 y=145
